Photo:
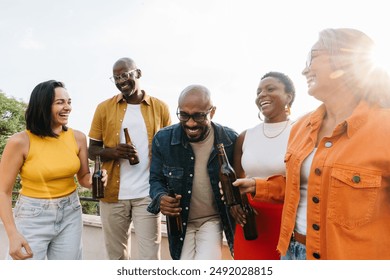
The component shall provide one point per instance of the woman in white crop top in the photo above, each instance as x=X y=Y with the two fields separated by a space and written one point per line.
x=259 y=152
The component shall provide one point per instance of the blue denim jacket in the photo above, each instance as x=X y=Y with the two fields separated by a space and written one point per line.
x=173 y=163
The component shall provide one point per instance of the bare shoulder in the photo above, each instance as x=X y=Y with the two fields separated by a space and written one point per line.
x=240 y=138
x=242 y=134
x=19 y=142
x=19 y=139
x=240 y=141
x=79 y=136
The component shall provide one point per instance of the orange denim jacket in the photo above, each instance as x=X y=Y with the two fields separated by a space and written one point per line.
x=348 y=207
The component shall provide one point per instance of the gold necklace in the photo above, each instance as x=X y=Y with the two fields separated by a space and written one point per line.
x=274 y=136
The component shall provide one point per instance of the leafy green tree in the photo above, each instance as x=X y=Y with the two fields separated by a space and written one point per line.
x=11 y=118
x=11 y=121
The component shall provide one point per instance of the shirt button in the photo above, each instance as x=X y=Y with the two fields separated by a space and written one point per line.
x=192 y=158
x=316 y=256
x=356 y=179
x=189 y=191
x=191 y=175
x=317 y=171
x=328 y=144
x=184 y=224
x=315 y=199
x=316 y=227
x=181 y=238
x=170 y=173
x=186 y=208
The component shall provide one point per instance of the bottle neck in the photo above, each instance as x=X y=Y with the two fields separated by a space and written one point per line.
x=222 y=155
x=97 y=163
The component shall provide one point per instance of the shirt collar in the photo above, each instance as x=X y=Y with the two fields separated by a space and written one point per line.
x=358 y=117
x=146 y=98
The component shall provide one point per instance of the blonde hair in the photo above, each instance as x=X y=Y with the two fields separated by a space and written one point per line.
x=351 y=55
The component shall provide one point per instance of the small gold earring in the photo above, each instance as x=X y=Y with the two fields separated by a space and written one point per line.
x=288 y=110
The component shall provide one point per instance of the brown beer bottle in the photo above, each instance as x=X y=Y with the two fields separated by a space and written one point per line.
x=97 y=184
x=250 y=230
x=227 y=176
x=174 y=223
x=232 y=195
x=134 y=160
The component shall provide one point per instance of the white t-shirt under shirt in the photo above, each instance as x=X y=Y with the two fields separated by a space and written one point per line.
x=134 y=179
x=301 y=220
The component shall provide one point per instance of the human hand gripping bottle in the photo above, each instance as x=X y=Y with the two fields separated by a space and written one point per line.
x=133 y=160
x=174 y=223
x=232 y=195
x=97 y=184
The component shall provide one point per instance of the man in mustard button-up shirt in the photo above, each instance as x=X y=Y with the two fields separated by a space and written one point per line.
x=127 y=192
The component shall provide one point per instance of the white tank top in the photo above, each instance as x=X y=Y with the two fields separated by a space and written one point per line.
x=263 y=156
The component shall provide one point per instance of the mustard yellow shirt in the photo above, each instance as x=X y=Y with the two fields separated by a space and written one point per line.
x=50 y=166
x=106 y=126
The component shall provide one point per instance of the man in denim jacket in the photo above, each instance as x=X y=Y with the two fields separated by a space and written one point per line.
x=184 y=159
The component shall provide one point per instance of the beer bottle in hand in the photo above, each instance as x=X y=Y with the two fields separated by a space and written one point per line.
x=250 y=230
x=133 y=160
x=227 y=176
x=174 y=223
x=97 y=184
x=232 y=195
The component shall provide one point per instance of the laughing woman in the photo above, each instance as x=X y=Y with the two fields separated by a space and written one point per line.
x=47 y=221
x=259 y=152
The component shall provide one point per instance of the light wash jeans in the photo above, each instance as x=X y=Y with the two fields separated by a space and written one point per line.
x=204 y=242
x=52 y=227
x=116 y=219
x=295 y=251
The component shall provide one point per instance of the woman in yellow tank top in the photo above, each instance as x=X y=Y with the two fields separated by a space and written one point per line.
x=47 y=220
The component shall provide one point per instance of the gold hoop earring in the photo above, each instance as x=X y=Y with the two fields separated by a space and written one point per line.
x=288 y=110
x=259 y=116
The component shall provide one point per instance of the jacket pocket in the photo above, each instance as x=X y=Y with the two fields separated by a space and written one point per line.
x=352 y=196
x=174 y=176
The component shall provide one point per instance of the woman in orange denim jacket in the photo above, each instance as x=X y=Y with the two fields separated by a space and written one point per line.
x=337 y=191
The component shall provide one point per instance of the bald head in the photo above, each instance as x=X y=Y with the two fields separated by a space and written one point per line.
x=125 y=62
x=196 y=92
x=195 y=112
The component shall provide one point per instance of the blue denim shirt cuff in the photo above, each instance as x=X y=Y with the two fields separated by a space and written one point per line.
x=154 y=206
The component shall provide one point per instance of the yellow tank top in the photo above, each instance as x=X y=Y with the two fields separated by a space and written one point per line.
x=50 y=166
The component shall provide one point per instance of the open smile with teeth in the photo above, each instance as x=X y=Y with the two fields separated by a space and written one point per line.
x=125 y=87
x=265 y=103
x=64 y=115
x=192 y=131
x=310 y=81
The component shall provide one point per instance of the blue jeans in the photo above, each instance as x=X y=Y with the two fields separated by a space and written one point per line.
x=295 y=251
x=52 y=227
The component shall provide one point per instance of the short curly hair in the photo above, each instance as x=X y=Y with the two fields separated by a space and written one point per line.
x=288 y=83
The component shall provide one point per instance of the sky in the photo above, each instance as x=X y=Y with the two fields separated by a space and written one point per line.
x=225 y=45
